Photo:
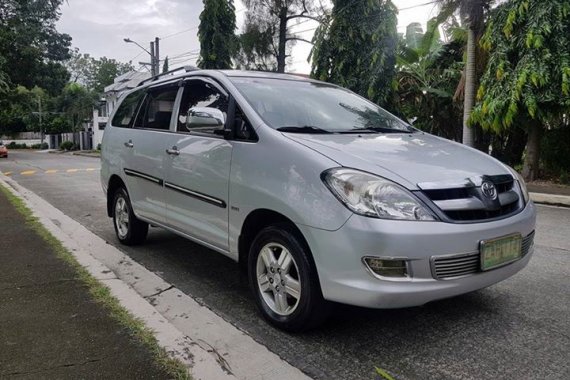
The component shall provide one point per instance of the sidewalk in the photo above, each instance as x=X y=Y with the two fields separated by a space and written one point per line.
x=50 y=325
x=549 y=193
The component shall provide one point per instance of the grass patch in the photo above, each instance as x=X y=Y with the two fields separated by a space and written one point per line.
x=102 y=295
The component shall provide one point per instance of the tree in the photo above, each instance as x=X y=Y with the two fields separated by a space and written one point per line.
x=105 y=70
x=165 y=65
x=472 y=13
x=427 y=76
x=217 y=34
x=255 y=48
x=356 y=47
x=76 y=103
x=527 y=79
x=30 y=44
x=94 y=74
x=273 y=18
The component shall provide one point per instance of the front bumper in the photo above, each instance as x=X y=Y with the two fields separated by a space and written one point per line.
x=345 y=279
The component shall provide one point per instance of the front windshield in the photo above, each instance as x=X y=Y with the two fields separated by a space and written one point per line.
x=309 y=107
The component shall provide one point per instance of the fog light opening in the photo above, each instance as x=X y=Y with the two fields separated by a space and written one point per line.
x=384 y=267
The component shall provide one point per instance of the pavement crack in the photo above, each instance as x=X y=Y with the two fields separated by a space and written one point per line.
x=224 y=365
x=160 y=292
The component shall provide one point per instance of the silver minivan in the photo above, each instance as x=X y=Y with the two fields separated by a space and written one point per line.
x=322 y=195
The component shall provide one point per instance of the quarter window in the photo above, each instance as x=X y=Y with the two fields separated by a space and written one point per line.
x=156 y=110
x=127 y=109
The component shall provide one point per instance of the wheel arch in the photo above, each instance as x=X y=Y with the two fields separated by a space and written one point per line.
x=115 y=182
x=257 y=220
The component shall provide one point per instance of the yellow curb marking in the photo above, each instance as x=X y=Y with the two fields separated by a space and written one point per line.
x=51 y=171
x=90 y=170
x=28 y=172
x=7 y=173
x=72 y=170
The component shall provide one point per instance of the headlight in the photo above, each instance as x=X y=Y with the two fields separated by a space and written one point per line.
x=370 y=195
x=522 y=184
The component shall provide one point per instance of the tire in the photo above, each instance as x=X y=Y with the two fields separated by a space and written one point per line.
x=129 y=229
x=276 y=300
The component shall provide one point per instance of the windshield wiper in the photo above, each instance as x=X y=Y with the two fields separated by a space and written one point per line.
x=375 y=130
x=303 y=129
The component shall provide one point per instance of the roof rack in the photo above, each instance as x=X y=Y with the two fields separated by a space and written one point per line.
x=170 y=72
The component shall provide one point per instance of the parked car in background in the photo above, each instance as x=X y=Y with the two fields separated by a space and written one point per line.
x=3 y=150
x=320 y=194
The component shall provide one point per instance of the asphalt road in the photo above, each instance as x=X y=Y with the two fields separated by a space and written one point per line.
x=518 y=329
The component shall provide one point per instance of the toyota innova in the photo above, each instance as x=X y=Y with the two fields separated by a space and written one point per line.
x=320 y=194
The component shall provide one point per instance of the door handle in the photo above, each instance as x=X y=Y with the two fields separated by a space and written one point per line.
x=129 y=144
x=173 y=152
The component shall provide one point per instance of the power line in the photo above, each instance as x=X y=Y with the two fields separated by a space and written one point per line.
x=190 y=29
x=417 y=6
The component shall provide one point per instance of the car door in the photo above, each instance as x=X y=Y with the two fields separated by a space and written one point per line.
x=145 y=168
x=197 y=179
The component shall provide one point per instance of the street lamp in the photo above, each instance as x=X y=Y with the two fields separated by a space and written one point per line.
x=153 y=59
x=129 y=41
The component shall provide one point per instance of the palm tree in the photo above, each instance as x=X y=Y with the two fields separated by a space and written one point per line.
x=472 y=13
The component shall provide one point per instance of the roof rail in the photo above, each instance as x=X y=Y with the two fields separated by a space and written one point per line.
x=170 y=72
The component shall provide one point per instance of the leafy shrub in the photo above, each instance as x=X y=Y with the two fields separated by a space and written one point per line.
x=15 y=145
x=67 y=146
x=40 y=146
x=99 y=147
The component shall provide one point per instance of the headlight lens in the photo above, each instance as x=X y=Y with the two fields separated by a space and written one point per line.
x=522 y=184
x=370 y=195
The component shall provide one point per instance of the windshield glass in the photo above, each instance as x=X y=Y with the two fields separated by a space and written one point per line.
x=307 y=107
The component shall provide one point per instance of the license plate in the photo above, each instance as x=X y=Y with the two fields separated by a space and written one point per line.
x=500 y=251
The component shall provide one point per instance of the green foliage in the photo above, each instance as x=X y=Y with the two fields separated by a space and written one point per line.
x=66 y=145
x=76 y=102
x=268 y=38
x=39 y=146
x=95 y=74
x=15 y=145
x=255 y=50
x=356 y=47
x=165 y=65
x=426 y=79
x=30 y=46
x=216 y=34
x=528 y=74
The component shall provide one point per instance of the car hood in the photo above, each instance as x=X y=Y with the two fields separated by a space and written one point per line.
x=408 y=159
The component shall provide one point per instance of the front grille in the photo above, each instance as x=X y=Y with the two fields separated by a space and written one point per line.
x=455 y=265
x=450 y=266
x=527 y=243
x=467 y=202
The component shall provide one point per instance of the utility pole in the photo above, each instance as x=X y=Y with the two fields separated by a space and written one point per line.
x=152 y=60
x=41 y=127
x=156 y=56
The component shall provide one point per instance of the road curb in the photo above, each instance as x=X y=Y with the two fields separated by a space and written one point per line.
x=550 y=199
x=210 y=347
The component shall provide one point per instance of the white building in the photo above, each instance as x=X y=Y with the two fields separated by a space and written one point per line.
x=107 y=104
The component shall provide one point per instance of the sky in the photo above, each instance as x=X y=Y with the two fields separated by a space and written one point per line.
x=98 y=27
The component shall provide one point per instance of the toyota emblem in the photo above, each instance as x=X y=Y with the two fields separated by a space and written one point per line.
x=489 y=190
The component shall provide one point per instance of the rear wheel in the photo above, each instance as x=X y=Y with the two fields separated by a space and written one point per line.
x=129 y=229
x=284 y=280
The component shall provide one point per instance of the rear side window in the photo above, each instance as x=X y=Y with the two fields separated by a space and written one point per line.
x=157 y=108
x=127 y=109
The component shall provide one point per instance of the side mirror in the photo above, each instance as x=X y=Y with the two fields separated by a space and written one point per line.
x=204 y=117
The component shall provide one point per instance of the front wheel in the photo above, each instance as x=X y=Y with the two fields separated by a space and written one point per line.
x=284 y=280
x=129 y=229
